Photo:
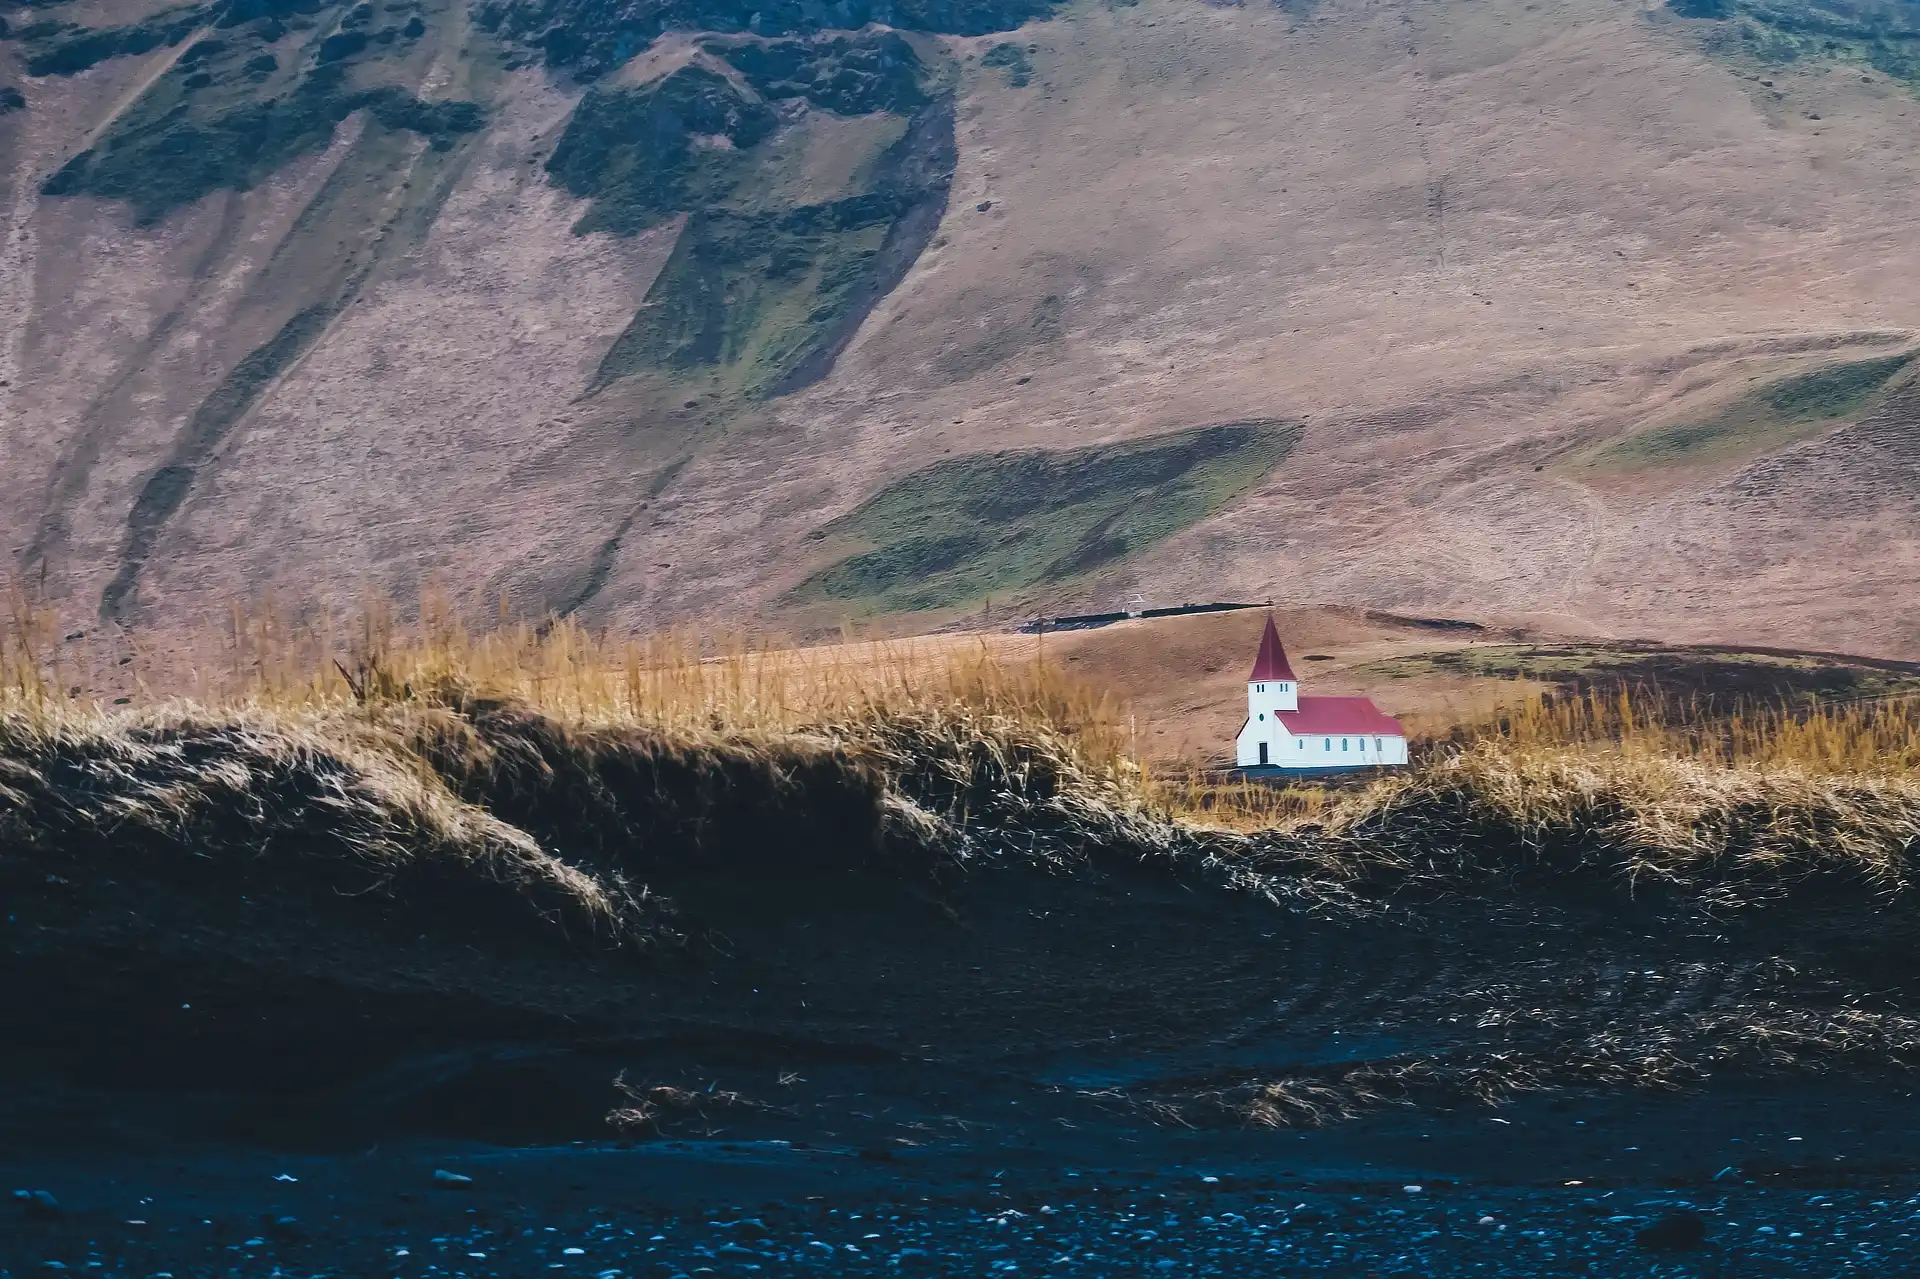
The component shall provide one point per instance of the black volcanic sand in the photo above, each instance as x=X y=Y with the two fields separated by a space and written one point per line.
x=1784 y=1181
x=1013 y=1067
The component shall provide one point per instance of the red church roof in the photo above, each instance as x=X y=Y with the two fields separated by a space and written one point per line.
x=1356 y=716
x=1272 y=661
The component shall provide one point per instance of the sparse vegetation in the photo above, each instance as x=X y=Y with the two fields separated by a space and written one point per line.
x=1884 y=37
x=961 y=529
x=591 y=38
x=1013 y=60
x=1769 y=415
x=225 y=116
x=1044 y=322
x=62 y=49
x=1706 y=679
x=167 y=487
x=764 y=291
x=530 y=742
x=1833 y=391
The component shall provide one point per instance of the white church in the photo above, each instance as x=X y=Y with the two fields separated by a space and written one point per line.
x=1287 y=731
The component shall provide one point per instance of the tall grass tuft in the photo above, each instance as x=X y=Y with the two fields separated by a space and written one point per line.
x=1650 y=788
x=1878 y=736
x=619 y=755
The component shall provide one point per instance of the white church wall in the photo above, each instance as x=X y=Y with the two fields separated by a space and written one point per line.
x=1323 y=750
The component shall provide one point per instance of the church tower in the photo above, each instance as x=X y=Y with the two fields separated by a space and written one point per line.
x=1272 y=687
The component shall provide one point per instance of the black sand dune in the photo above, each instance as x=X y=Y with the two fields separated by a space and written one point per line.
x=889 y=963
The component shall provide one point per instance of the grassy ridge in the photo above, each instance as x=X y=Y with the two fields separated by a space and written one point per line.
x=532 y=784
x=937 y=743
x=965 y=528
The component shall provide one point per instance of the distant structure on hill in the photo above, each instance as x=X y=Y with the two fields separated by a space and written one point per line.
x=1287 y=731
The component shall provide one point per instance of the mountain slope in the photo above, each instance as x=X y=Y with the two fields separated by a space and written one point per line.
x=621 y=309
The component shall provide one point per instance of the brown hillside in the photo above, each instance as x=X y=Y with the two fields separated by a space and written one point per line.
x=1469 y=247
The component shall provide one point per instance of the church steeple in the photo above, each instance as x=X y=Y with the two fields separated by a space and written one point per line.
x=1271 y=664
x=1272 y=687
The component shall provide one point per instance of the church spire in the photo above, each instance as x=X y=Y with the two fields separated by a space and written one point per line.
x=1271 y=664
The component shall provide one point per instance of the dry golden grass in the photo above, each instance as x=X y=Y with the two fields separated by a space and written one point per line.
x=1659 y=790
x=671 y=682
x=1636 y=783
x=956 y=735
x=548 y=758
x=1878 y=736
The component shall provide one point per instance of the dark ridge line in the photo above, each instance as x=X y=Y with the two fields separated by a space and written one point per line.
x=927 y=144
x=600 y=568
x=212 y=422
x=1425 y=623
x=72 y=476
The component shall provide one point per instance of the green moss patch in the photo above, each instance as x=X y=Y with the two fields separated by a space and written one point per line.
x=846 y=74
x=1883 y=36
x=592 y=37
x=759 y=291
x=1014 y=61
x=1835 y=391
x=644 y=155
x=58 y=48
x=765 y=296
x=235 y=107
x=969 y=527
x=755 y=293
x=157 y=164
x=1766 y=416
x=693 y=140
